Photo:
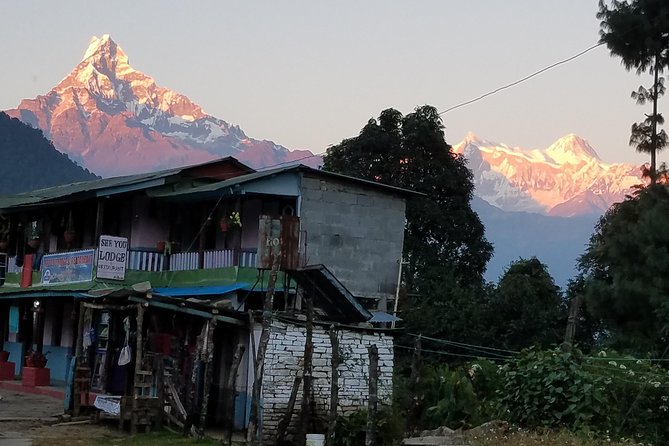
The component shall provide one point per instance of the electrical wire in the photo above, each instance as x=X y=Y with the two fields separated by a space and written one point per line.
x=519 y=81
x=462 y=344
x=460 y=355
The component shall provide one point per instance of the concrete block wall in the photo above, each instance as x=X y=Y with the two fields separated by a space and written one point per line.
x=284 y=361
x=355 y=231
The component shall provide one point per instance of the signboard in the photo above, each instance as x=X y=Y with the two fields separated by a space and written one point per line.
x=68 y=267
x=112 y=257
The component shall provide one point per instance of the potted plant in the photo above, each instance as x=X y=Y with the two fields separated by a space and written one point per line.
x=33 y=235
x=36 y=359
x=230 y=222
x=35 y=373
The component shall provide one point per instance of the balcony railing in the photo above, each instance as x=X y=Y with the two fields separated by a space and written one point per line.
x=181 y=261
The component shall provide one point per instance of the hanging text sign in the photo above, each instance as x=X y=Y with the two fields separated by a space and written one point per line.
x=112 y=257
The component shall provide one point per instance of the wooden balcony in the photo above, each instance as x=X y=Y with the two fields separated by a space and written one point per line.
x=182 y=261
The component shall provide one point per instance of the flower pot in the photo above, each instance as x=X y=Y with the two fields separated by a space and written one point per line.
x=4 y=244
x=224 y=225
x=34 y=243
x=160 y=247
x=69 y=236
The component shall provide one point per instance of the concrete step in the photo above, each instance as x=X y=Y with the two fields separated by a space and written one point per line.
x=448 y=440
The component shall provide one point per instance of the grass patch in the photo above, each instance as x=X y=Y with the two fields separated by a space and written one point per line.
x=155 y=438
x=548 y=438
x=151 y=439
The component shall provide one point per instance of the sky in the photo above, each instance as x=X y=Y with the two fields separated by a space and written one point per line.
x=307 y=74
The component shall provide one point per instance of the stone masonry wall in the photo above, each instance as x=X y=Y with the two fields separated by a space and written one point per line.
x=284 y=361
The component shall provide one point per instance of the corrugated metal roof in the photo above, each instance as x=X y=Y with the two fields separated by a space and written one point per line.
x=200 y=290
x=99 y=187
x=219 y=187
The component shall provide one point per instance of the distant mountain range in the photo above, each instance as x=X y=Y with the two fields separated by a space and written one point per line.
x=566 y=179
x=115 y=120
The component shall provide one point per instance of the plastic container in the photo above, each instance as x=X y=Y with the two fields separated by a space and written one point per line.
x=315 y=440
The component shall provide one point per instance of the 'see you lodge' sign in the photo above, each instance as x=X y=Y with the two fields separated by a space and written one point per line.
x=112 y=257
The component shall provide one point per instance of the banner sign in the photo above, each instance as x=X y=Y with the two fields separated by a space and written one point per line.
x=112 y=257
x=68 y=267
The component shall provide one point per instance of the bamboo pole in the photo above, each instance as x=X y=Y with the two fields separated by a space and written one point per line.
x=254 y=434
x=208 y=355
x=285 y=421
x=334 y=387
x=307 y=388
x=230 y=392
x=372 y=404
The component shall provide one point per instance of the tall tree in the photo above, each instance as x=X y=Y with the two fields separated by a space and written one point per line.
x=527 y=307
x=626 y=269
x=411 y=152
x=637 y=31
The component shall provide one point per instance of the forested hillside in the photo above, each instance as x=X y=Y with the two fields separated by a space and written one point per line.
x=29 y=161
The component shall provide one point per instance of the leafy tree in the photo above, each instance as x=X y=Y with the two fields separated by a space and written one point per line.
x=410 y=152
x=590 y=332
x=625 y=267
x=637 y=31
x=527 y=308
x=444 y=241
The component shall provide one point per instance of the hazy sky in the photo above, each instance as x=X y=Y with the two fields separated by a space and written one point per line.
x=307 y=74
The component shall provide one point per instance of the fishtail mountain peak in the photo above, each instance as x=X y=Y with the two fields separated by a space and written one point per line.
x=115 y=120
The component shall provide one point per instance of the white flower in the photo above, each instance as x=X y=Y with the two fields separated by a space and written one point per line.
x=622 y=367
x=613 y=363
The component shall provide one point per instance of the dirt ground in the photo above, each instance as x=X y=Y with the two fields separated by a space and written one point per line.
x=33 y=419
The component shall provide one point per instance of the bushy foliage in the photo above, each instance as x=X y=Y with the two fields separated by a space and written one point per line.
x=351 y=429
x=610 y=398
x=527 y=308
x=625 y=268
x=551 y=389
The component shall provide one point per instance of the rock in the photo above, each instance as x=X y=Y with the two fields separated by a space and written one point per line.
x=438 y=432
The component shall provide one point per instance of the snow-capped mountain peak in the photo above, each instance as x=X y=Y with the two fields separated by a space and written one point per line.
x=116 y=120
x=572 y=149
x=568 y=178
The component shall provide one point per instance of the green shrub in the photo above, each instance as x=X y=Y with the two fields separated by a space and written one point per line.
x=450 y=399
x=351 y=430
x=638 y=396
x=552 y=389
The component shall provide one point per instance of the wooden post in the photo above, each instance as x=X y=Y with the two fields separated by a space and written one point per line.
x=76 y=391
x=208 y=355
x=372 y=404
x=414 y=383
x=138 y=367
x=99 y=219
x=254 y=435
x=285 y=421
x=230 y=392
x=197 y=361
x=334 y=387
x=570 y=331
x=307 y=388
x=160 y=371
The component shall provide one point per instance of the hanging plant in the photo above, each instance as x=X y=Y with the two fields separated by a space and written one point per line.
x=33 y=234
x=231 y=222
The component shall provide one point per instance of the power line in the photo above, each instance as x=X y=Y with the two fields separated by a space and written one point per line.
x=519 y=81
x=462 y=355
x=463 y=345
x=289 y=162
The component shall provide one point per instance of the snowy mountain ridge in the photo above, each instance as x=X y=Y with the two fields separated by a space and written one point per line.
x=566 y=179
x=116 y=120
